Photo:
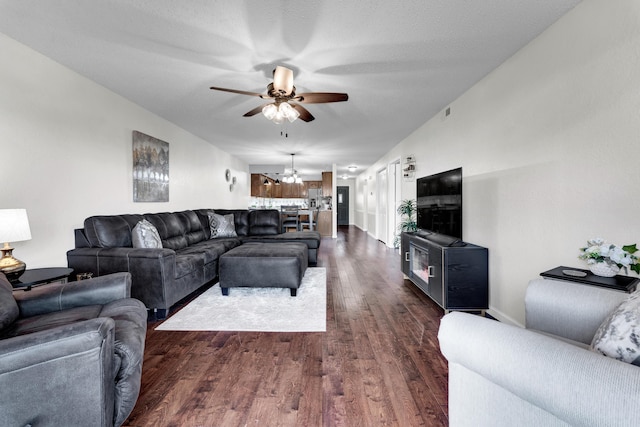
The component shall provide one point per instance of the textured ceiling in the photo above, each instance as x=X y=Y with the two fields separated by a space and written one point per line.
x=400 y=61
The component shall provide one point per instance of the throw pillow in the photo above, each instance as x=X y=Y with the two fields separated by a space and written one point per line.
x=619 y=335
x=222 y=225
x=145 y=235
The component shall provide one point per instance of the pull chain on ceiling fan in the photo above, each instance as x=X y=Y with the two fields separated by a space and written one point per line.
x=286 y=104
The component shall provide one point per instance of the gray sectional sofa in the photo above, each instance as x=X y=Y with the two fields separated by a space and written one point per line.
x=188 y=258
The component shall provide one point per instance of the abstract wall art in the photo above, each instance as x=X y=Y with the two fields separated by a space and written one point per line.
x=150 y=169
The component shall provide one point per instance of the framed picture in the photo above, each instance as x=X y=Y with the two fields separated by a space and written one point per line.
x=150 y=169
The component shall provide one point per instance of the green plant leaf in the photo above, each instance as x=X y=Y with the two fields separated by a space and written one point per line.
x=632 y=249
x=635 y=267
x=407 y=207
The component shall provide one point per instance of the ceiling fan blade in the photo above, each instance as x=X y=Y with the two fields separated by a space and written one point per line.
x=305 y=115
x=321 y=97
x=283 y=80
x=255 y=111
x=241 y=92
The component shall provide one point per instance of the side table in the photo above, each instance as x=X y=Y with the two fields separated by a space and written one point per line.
x=620 y=283
x=41 y=276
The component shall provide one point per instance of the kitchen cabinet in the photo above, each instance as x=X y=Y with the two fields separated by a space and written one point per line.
x=292 y=191
x=276 y=190
x=256 y=185
x=258 y=189
x=327 y=184
x=282 y=191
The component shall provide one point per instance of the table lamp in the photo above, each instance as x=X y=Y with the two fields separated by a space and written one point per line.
x=14 y=227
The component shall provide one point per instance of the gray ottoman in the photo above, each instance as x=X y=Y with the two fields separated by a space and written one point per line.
x=264 y=265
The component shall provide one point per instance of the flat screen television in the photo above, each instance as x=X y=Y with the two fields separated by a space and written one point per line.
x=439 y=203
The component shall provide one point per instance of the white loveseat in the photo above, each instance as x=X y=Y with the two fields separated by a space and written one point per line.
x=544 y=375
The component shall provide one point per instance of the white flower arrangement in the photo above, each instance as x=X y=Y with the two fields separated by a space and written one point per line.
x=598 y=250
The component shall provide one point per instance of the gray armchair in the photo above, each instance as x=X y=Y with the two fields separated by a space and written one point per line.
x=544 y=375
x=70 y=354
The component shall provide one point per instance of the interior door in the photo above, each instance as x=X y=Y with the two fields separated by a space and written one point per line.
x=343 y=205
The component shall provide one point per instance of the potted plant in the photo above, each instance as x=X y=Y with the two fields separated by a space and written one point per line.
x=407 y=210
x=606 y=260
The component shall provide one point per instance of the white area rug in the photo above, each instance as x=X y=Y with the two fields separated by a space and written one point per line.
x=257 y=309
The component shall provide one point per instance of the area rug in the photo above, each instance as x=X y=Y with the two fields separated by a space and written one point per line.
x=257 y=309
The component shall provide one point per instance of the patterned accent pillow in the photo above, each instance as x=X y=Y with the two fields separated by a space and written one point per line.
x=145 y=235
x=221 y=226
x=619 y=335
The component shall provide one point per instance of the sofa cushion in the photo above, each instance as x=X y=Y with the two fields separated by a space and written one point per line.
x=264 y=222
x=193 y=230
x=110 y=231
x=221 y=225
x=619 y=335
x=8 y=306
x=171 y=228
x=212 y=249
x=145 y=235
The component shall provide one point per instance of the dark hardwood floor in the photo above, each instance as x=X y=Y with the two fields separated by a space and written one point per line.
x=378 y=364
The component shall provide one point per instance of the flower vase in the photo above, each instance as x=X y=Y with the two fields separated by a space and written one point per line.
x=603 y=269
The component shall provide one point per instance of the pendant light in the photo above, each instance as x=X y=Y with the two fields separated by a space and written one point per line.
x=293 y=178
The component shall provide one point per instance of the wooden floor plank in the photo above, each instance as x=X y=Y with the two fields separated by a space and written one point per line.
x=378 y=363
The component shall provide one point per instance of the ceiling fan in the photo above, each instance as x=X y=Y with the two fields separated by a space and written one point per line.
x=286 y=103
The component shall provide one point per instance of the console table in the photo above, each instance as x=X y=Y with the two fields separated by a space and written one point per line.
x=619 y=283
x=452 y=273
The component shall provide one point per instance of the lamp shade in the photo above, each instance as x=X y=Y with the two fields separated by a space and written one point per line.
x=14 y=225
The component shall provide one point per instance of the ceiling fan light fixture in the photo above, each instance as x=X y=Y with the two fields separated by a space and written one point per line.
x=270 y=111
x=289 y=112
x=281 y=91
x=279 y=118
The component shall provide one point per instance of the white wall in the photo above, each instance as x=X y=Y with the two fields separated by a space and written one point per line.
x=549 y=144
x=66 y=154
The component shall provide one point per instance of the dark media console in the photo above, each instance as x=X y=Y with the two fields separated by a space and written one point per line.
x=451 y=272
